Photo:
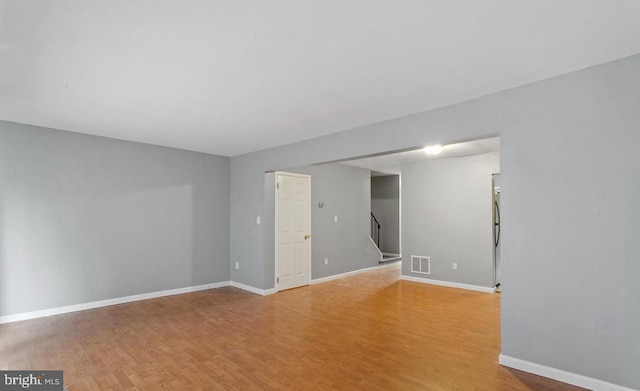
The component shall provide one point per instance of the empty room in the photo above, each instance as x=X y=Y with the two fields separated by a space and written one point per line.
x=319 y=195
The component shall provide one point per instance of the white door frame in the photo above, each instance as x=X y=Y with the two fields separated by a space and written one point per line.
x=277 y=202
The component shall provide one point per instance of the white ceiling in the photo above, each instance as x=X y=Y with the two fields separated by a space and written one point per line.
x=229 y=77
x=391 y=163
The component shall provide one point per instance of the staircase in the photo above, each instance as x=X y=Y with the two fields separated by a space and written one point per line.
x=390 y=257
x=375 y=238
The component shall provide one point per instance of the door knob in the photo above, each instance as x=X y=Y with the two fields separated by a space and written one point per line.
x=306 y=237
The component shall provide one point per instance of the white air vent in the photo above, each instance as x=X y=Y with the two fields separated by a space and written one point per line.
x=420 y=264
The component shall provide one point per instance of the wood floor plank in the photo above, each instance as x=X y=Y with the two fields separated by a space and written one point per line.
x=366 y=332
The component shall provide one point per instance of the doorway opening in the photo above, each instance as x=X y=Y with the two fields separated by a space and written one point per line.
x=446 y=215
x=447 y=210
x=385 y=215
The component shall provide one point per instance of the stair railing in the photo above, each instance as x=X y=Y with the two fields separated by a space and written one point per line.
x=375 y=230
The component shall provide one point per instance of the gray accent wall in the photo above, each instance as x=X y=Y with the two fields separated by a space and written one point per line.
x=569 y=170
x=85 y=218
x=448 y=215
x=385 y=205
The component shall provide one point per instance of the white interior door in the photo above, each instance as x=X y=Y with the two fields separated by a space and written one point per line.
x=293 y=230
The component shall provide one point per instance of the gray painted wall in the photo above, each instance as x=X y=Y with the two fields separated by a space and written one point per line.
x=447 y=216
x=86 y=218
x=346 y=193
x=269 y=230
x=570 y=269
x=385 y=205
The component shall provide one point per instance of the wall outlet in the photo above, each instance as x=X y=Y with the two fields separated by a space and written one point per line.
x=455 y=266
x=326 y=261
x=258 y=220
x=335 y=219
x=237 y=265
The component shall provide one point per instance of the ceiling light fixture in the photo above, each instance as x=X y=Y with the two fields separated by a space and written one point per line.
x=433 y=149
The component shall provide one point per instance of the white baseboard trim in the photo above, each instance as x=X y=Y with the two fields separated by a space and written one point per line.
x=265 y=292
x=252 y=289
x=449 y=284
x=560 y=375
x=107 y=302
x=353 y=273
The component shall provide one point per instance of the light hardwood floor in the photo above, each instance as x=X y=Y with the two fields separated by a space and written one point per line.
x=367 y=332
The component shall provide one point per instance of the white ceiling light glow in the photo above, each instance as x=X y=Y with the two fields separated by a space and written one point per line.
x=433 y=149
